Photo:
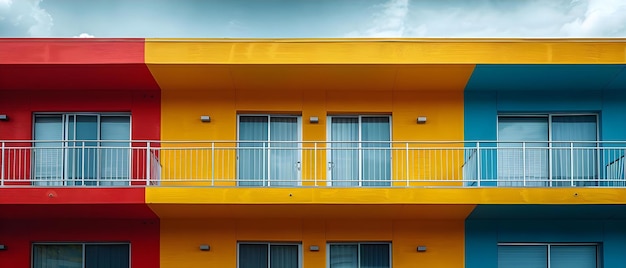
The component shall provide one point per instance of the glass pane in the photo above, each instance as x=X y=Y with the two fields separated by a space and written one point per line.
x=82 y=133
x=57 y=256
x=522 y=256
x=114 y=156
x=284 y=156
x=512 y=157
x=283 y=256
x=573 y=256
x=375 y=256
x=344 y=133
x=107 y=256
x=584 y=155
x=344 y=256
x=48 y=156
x=376 y=168
x=253 y=256
x=252 y=152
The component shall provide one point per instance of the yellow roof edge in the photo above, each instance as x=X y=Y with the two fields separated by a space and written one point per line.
x=413 y=40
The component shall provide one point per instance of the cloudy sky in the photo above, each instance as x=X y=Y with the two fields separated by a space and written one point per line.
x=313 y=18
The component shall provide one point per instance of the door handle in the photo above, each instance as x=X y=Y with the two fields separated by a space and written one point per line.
x=298 y=165
x=331 y=165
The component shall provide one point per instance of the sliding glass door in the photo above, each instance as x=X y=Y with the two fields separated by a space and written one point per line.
x=269 y=150
x=81 y=149
x=360 y=150
x=547 y=150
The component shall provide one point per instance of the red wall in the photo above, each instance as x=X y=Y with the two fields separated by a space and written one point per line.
x=19 y=106
x=18 y=235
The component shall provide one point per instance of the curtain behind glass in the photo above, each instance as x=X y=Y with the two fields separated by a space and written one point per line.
x=376 y=169
x=48 y=170
x=82 y=133
x=58 y=256
x=284 y=157
x=114 y=156
x=522 y=256
x=344 y=256
x=512 y=130
x=252 y=166
x=573 y=256
x=375 y=256
x=344 y=133
x=284 y=256
x=253 y=255
x=574 y=128
x=107 y=256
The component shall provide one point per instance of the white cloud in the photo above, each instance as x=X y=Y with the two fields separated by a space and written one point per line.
x=27 y=14
x=601 y=18
x=84 y=35
x=388 y=22
x=497 y=18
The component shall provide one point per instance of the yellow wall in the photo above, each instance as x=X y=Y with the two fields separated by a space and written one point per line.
x=180 y=239
x=181 y=110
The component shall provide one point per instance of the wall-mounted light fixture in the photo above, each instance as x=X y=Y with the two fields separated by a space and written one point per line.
x=314 y=119
x=421 y=248
x=205 y=247
x=314 y=248
x=4 y=117
x=421 y=119
x=205 y=118
x=3 y=247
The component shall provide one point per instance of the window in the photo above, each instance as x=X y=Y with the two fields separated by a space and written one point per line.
x=360 y=153
x=81 y=149
x=359 y=255
x=547 y=256
x=81 y=255
x=269 y=255
x=269 y=150
x=547 y=159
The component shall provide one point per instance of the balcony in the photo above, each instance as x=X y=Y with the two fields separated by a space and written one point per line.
x=312 y=164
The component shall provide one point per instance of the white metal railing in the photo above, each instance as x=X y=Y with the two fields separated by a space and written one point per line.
x=328 y=164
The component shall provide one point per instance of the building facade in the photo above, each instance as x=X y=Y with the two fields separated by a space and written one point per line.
x=334 y=153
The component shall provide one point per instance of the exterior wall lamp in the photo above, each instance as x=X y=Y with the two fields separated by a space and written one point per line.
x=421 y=119
x=4 y=117
x=314 y=120
x=421 y=248
x=205 y=247
x=205 y=118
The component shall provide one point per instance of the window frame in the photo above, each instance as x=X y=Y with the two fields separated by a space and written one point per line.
x=65 y=140
x=83 y=245
x=329 y=158
x=358 y=244
x=269 y=117
x=550 y=143
x=548 y=250
x=269 y=252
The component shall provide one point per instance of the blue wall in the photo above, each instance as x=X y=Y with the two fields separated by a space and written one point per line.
x=482 y=237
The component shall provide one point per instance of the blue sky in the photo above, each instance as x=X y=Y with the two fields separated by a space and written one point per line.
x=312 y=18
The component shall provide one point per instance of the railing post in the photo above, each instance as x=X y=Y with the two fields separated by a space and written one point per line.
x=524 y=162
x=212 y=163
x=148 y=163
x=315 y=163
x=478 y=164
x=407 y=164
x=2 y=166
x=571 y=162
x=82 y=171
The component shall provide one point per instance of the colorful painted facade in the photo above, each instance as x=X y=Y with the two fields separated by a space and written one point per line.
x=312 y=153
